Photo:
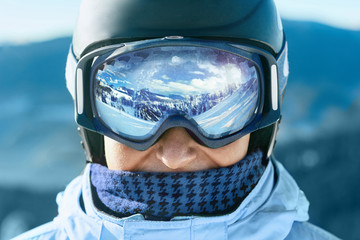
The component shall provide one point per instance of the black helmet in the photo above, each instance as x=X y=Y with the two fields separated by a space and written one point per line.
x=102 y=23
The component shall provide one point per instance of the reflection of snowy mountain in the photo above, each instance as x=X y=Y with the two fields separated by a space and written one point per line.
x=225 y=111
x=147 y=105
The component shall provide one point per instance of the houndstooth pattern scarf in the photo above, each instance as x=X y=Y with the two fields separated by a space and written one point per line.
x=161 y=196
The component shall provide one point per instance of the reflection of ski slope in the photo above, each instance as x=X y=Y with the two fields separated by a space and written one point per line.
x=120 y=121
x=231 y=113
x=118 y=93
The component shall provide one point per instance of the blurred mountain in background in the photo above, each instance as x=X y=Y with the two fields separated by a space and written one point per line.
x=39 y=145
x=318 y=139
x=319 y=136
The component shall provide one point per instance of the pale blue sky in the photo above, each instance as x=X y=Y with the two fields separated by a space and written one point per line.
x=337 y=13
x=24 y=21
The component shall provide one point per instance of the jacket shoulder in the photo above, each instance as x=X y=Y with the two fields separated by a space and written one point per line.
x=306 y=230
x=58 y=227
x=46 y=231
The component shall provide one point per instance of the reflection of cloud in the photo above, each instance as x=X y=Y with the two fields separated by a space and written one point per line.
x=209 y=67
x=175 y=60
x=157 y=82
x=233 y=74
x=227 y=74
x=118 y=64
x=182 y=87
x=172 y=88
x=198 y=73
x=165 y=77
x=211 y=83
x=207 y=82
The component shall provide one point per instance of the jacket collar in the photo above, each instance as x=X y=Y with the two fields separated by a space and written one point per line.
x=268 y=211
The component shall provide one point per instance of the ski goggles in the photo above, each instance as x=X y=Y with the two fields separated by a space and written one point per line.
x=218 y=91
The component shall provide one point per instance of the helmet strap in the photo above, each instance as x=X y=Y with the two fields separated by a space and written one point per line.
x=265 y=140
x=93 y=145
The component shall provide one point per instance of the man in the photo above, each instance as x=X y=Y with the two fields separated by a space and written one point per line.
x=178 y=104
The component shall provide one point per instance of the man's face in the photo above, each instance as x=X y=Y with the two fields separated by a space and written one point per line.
x=176 y=151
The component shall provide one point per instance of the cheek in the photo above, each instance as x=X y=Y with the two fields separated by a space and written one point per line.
x=232 y=153
x=119 y=156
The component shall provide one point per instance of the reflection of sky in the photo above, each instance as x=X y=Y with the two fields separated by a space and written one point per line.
x=23 y=21
x=341 y=14
x=180 y=70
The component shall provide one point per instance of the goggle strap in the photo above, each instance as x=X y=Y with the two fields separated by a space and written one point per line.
x=272 y=139
x=70 y=71
x=283 y=69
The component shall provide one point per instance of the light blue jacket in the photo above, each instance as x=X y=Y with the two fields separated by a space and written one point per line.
x=275 y=209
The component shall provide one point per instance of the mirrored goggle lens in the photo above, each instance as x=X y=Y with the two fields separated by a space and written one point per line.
x=137 y=91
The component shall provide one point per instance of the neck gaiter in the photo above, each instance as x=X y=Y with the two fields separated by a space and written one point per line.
x=162 y=196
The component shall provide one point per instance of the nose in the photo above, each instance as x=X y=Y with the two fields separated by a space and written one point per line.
x=176 y=149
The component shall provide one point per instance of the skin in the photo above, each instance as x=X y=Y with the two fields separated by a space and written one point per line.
x=176 y=151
